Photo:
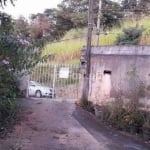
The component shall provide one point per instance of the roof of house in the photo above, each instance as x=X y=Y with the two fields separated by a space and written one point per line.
x=121 y=50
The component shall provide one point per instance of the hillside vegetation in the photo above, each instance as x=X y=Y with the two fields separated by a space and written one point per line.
x=68 y=49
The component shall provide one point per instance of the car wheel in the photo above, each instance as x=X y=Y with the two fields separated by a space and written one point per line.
x=38 y=94
x=53 y=96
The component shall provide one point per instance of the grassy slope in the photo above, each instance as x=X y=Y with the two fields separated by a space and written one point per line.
x=68 y=51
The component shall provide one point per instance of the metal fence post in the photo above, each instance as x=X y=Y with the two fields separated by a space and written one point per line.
x=54 y=80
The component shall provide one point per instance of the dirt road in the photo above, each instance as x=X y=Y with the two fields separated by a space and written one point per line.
x=59 y=125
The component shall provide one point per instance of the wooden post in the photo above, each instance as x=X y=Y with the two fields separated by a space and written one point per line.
x=85 y=89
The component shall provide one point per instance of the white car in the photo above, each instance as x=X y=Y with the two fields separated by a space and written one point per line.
x=36 y=89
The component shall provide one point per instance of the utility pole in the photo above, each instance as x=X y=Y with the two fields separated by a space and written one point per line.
x=98 y=23
x=85 y=90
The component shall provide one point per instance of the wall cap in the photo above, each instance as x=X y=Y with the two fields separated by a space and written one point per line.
x=121 y=50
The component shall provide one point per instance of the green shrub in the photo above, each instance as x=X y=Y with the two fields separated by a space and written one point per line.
x=17 y=57
x=8 y=113
x=131 y=36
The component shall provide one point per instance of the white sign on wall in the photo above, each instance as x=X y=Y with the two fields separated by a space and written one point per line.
x=64 y=72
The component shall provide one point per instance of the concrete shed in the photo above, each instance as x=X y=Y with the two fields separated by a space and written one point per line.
x=119 y=70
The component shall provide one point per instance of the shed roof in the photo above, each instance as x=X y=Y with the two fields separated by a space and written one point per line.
x=121 y=50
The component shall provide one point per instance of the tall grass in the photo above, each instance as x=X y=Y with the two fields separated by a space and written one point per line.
x=68 y=51
x=65 y=51
x=75 y=33
x=64 y=47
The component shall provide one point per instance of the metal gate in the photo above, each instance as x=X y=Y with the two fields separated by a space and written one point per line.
x=62 y=79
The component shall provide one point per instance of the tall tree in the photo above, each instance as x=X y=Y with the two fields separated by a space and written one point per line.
x=40 y=27
x=21 y=27
x=73 y=14
x=144 y=5
x=112 y=14
x=57 y=28
x=76 y=11
x=136 y=6
x=4 y=2
x=6 y=25
x=129 y=4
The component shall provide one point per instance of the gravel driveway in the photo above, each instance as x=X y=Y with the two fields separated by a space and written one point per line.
x=59 y=125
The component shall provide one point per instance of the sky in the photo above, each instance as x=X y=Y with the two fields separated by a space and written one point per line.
x=27 y=7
